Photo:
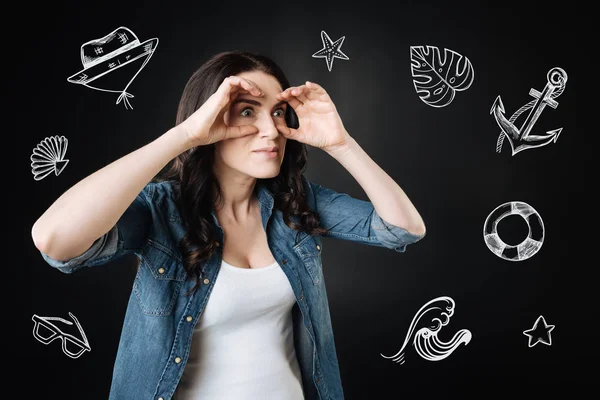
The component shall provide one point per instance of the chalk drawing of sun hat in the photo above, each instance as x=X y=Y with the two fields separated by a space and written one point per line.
x=109 y=53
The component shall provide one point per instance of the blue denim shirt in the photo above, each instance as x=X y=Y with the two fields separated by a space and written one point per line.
x=159 y=321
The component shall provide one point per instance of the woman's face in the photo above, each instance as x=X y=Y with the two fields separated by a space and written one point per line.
x=263 y=112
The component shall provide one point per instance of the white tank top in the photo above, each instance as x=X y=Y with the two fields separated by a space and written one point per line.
x=243 y=344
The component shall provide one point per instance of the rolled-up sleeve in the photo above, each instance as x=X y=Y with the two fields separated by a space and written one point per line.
x=102 y=250
x=127 y=235
x=392 y=236
x=356 y=220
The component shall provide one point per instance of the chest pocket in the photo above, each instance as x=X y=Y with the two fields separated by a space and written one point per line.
x=158 y=281
x=309 y=251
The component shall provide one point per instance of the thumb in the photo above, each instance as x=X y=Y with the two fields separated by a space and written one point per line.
x=239 y=131
x=285 y=131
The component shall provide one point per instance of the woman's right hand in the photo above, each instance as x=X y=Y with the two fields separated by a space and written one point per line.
x=207 y=125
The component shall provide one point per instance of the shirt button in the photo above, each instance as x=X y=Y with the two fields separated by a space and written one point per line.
x=189 y=318
x=217 y=244
x=160 y=398
x=308 y=326
x=206 y=281
x=319 y=379
x=283 y=261
x=177 y=360
x=318 y=247
x=301 y=297
x=161 y=270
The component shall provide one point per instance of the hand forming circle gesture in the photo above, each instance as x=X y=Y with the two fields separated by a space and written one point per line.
x=320 y=123
x=206 y=125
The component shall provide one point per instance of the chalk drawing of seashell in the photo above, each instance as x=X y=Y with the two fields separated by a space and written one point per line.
x=48 y=156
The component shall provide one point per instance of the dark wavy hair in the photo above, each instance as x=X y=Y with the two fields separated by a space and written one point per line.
x=197 y=189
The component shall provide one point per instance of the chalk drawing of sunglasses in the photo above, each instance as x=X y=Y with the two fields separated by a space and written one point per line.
x=46 y=332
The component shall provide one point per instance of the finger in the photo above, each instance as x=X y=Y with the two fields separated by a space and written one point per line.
x=230 y=88
x=235 y=84
x=243 y=86
x=295 y=103
x=284 y=95
x=287 y=96
x=291 y=133
x=287 y=92
x=281 y=95
x=250 y=86
x=299 y=93
x=315 y=91
x=239 y=131
x=285 y=131
x=254 y=84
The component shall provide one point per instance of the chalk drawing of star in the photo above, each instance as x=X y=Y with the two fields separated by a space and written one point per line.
x=539 y=333
x=330 y=50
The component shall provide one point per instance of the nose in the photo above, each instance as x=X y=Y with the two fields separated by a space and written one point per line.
x=266 y=126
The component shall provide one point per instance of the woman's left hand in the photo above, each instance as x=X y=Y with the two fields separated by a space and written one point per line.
x=320 y=123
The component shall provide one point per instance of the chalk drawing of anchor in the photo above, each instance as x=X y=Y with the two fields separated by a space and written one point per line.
x=521 y=139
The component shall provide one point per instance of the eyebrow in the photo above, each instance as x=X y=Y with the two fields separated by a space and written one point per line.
x=256 y=103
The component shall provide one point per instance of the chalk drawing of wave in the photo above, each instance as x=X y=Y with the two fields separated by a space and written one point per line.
x=437 y=313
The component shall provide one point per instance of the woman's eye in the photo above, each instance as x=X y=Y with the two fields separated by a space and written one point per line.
x=280 y=112
x=247 y=112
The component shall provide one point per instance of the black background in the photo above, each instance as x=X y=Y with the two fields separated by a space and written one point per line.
x=444 y=158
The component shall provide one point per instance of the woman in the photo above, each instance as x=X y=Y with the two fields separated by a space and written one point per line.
x=229 y=300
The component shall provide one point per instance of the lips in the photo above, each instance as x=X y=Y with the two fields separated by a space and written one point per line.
x=270 y=153
x=272 y=149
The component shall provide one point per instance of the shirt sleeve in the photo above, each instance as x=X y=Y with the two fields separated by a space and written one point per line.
x=128 y=235
x=348 y=218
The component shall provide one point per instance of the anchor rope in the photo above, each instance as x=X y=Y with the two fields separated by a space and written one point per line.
x=521 y=110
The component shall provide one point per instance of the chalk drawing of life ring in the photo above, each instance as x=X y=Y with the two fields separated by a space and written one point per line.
x=528 y=247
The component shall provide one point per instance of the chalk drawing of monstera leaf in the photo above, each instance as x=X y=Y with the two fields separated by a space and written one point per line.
x=437 y=78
